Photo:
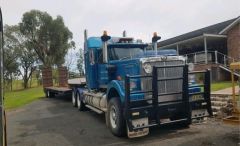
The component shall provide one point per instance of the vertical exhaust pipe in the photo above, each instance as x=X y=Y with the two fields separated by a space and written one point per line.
x=104 y=39
x=155 y=39
x=124 y=33
x=85 y=39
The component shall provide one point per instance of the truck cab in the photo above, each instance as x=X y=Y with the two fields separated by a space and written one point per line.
x=135 y=87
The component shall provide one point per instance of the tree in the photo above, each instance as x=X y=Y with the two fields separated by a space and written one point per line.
x=49 y=37
x=80 y=62
x=10 y=56
x=22 y=53
x=70 y=59
x=27 y=59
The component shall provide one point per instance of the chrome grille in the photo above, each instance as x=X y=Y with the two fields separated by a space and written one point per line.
x=165 y=86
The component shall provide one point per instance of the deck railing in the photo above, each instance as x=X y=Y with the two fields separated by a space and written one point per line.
x=212 y=57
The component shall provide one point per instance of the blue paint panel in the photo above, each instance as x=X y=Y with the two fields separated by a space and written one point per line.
x=137 y=97
x=102 y=74
x=194 y=89
x=126 y=67
x=94 y=42
x=91 y=70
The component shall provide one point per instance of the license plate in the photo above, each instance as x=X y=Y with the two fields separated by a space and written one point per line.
x=139 y=132
x=197 y=97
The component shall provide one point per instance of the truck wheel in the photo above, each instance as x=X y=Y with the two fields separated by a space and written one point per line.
x=80 y=104
x=115 y=119
x=48 y=94
x=74 y=101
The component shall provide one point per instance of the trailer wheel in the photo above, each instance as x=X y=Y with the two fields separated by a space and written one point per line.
x=49 y=94
x=80 y=104
x=74 y=101
x=115 y=119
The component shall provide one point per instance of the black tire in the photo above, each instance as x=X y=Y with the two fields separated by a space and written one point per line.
x=80 y=104
x=119 y=128
x=74 y=99
x=49 y=94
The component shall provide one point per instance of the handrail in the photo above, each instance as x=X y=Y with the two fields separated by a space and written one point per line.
x=216 y=57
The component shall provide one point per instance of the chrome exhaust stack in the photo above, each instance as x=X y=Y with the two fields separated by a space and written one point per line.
x=104 y=39
x=155 y=39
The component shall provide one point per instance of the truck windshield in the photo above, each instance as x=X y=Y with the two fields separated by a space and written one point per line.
x=124 y=53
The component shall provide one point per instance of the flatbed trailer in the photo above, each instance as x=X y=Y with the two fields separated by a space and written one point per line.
x=52 y=91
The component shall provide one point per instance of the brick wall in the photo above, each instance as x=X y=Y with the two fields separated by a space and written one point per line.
x=233 y=42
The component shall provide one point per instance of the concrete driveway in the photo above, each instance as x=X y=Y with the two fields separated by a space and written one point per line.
x=54 y=122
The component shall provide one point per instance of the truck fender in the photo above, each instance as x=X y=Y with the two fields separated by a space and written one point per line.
x=116 y=87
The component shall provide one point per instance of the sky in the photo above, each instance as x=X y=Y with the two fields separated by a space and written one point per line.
x=140 y=18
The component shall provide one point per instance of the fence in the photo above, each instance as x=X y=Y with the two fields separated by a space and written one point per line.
x=212 y=57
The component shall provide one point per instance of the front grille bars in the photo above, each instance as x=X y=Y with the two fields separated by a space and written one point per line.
x=205 y=101
x=155 y=106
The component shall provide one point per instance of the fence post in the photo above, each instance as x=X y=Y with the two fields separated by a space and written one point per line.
x=216 y=59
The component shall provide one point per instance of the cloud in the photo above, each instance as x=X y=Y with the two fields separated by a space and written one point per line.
x=139 y=17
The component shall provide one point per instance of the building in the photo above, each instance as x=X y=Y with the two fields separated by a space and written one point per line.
x=212 y=47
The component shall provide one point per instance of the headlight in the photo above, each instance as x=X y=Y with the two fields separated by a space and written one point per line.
x=147 y=68
x=190 y=67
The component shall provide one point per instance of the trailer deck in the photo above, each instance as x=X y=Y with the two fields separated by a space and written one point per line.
x=77 y=82
x=54 y=90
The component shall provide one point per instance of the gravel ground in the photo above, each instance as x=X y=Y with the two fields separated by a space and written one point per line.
x=54 y=122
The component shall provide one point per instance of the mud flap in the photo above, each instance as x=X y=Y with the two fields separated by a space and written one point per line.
x=139 y=132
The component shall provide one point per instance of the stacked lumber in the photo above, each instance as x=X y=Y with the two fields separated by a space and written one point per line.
x=47 y=77
x=63 y=76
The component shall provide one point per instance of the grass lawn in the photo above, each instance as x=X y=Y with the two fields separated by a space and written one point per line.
x=14 y=99
x=220 y=85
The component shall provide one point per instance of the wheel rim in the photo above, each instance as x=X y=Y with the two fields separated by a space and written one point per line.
x=78 y=101
x=73 y=98
x=113 y=117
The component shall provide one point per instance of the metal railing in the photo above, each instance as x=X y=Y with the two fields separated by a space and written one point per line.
x=212 y=57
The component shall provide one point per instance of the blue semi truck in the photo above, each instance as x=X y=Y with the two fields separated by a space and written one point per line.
x=137 y=87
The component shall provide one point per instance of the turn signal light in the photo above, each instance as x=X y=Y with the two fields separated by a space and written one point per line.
x=105 y=33
x=155 y=34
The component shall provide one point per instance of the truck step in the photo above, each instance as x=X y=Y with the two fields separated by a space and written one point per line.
x=94 y=109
